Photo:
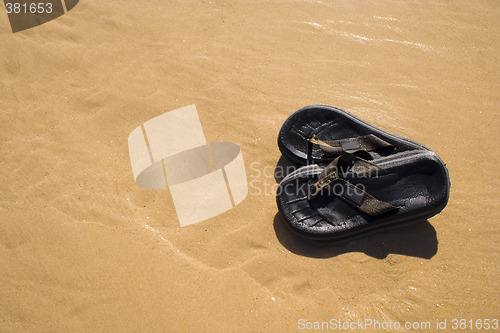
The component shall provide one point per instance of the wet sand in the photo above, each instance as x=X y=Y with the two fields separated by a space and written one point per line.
x=83 y=248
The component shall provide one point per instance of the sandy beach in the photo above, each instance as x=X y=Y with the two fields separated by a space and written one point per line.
x=83 y=248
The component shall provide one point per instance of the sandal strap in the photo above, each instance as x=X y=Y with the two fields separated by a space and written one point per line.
x=347 y=162
x=365 y=143
x=331 y=178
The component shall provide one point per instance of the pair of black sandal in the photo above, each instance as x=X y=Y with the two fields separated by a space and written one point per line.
x=354 y=178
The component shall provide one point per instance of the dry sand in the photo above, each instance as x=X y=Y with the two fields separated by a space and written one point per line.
x=83 y=248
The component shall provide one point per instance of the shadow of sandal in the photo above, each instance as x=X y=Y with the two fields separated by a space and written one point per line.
x=415 y=240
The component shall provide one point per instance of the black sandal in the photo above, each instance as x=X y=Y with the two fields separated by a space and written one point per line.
x=352 y=196
x=319 y=133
